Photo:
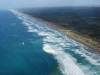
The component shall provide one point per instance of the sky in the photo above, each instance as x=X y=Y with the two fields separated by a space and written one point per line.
x=46 y=3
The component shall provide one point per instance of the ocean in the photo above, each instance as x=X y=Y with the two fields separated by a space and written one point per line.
x=29 y=47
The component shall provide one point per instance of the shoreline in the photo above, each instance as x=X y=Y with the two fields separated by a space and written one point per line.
x=78 y=38
x=71 y=34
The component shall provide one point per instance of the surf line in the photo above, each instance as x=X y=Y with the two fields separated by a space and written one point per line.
x=52 y=44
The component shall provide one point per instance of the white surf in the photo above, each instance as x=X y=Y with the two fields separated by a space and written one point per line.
x=55 y=43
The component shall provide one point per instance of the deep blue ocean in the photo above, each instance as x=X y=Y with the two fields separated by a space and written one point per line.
x=29 y=47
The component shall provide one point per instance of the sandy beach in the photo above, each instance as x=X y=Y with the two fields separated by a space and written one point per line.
x=87 y=41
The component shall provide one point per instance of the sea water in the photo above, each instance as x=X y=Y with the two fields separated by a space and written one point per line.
x=29 y=47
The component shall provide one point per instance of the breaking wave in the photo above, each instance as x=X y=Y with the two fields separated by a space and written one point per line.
x=57 y=44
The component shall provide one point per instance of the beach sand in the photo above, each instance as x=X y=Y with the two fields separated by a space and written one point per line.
x=87 y=41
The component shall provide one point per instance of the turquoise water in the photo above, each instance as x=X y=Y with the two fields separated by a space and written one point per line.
x=20 y=51
x=29 y=47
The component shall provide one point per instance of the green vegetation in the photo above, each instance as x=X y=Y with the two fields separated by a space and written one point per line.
x=84 y=21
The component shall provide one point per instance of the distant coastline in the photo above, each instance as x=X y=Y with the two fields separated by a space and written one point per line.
x=71 y=34
x=79 y=23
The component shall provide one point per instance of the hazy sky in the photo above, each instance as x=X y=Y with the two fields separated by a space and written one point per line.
x=44 y=3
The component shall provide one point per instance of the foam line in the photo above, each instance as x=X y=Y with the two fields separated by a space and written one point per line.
x=55 y=43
